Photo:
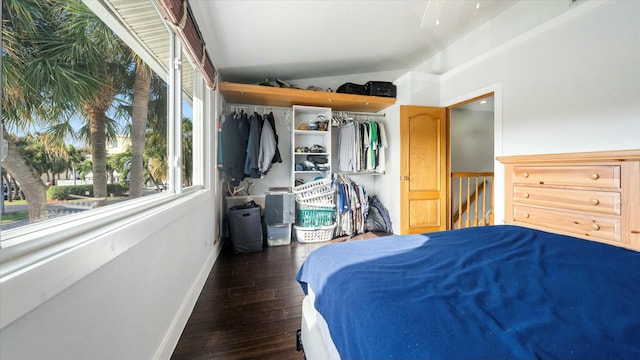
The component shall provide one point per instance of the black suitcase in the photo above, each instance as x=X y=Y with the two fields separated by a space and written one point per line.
x=351 y=88
x=380 y=88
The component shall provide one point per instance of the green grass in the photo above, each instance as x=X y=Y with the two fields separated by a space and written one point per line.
x=11 y=217
x=15 y=202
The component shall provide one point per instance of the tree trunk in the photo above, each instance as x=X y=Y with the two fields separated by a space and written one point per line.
x=98 y=135
x=153 y=180
x=138 y=127
x=30 y=183
x=7 y=188
x=17 y=194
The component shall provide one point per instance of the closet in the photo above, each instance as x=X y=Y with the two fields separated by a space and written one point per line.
x=312 y=125
x=361 y=143
x=294 y=107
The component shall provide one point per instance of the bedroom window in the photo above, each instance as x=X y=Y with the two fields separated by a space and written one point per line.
x=188 y=85
x=101 y=136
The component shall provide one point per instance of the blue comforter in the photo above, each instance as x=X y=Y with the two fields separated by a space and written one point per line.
x=499 y=292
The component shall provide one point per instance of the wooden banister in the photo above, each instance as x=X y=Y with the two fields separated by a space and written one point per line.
x=472 y=199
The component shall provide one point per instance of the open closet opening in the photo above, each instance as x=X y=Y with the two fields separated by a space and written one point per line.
x=471 y=162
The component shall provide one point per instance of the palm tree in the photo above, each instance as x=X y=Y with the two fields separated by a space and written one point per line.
x=61 y=49
x=155 y=150
x=187 y=152
x=21 y=20
x=102 y=56
x=139 y=114
x=74 y=157
x=84 y=168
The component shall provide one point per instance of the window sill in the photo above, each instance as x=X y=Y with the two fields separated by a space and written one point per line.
x=41 y=260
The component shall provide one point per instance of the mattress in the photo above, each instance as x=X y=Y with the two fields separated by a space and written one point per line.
x=489 y=292
x=315 y=332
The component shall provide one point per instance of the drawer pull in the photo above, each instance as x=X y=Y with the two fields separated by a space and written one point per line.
x=595 y=176
x=595 y=227
x=525 y=195
x=525 y=215
x=595 y=201
x=525 y=174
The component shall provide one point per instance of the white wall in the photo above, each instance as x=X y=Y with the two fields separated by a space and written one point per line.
x=414 y=88
x=570 y=85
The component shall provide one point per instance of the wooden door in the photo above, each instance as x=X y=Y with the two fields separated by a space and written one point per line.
x=423 y=169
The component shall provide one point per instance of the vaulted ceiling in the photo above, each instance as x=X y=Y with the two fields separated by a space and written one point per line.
x=253 y=40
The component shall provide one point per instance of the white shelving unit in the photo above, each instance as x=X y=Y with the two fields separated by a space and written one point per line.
x=309 y=138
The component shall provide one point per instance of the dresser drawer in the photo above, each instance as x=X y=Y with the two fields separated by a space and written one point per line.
x=605 y=202
x=596 y=227
x=599 y=176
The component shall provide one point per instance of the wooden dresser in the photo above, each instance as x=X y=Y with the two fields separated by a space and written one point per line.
x=594 y=196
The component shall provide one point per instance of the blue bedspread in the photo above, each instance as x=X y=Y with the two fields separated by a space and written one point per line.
x=499 y=292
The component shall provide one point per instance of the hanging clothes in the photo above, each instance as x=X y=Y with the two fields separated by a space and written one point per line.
x=252 y=162
x=235 y=136
x=247 y=146
x=277 y=158
x=361 y=147
x=268 y=147
x=347 y=148
x=352 y=206
x=381 y=167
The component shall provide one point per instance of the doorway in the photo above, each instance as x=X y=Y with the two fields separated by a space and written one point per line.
x=471 y=162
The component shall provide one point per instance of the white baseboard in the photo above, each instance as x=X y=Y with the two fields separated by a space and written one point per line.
x=180 y=321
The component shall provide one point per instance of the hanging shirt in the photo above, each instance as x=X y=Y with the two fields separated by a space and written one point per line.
x=277 y=158
x=381 y=151
x=373 y=145
x=235 y=135
x=347 y=148
x=252 y=165
x=268 y=147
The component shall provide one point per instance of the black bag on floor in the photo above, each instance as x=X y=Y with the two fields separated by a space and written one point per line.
x=245 y=228
x=378 y=219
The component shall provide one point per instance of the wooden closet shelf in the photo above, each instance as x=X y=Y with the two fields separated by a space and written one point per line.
x=283 y=97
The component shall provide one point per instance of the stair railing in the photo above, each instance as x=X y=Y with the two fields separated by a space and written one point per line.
x=474 y=201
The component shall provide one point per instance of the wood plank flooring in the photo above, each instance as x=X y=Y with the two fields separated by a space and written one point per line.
x=249 y=308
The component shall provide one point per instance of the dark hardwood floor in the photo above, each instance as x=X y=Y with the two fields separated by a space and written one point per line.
x=249 y=308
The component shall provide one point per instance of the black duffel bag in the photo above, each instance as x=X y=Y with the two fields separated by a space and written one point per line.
x=318 y=159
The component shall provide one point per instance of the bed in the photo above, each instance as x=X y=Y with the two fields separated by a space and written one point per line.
x=561 y=279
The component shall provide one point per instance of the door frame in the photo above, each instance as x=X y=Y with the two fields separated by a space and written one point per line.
x=498 y=171
x=449 y=119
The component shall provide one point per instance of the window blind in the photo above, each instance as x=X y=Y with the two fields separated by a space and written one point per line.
x=178 y=13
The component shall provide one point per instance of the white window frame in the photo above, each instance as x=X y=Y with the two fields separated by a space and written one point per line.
x=31 y=254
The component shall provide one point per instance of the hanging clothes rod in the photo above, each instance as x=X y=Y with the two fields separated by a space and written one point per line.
x=255 y=107
x=364 y=114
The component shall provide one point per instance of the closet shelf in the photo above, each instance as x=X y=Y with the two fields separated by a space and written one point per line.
x=283 y=97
